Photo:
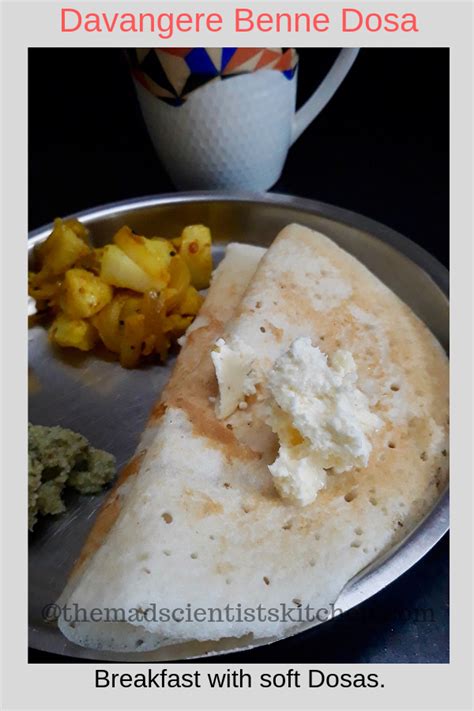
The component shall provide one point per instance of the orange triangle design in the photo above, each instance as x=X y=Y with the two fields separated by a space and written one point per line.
x=268 y=56
x=285 y=61
x=249 y=66
x=176 y=52
x=242 y=55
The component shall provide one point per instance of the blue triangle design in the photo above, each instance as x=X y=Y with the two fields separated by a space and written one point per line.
x=199 y=62
x=227 y=54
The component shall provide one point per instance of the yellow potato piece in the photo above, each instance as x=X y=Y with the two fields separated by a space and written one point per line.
x=78 y=228
x=176 y=242
x=154 y=310
x=162 y=249
x=153 y=256
x=148 y=345
x=117 y=269
x=132 y=340
x=132 y=304
x=180 y=279
x=190 y=303
x=92 y=261
x=61 y=250
x=177 y=324
x=196 y=251
x=83 y=294
x=42 y=290
x=73 y=333
x=107 y=323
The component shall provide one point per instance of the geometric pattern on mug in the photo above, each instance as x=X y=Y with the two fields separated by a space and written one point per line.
x=173 y=74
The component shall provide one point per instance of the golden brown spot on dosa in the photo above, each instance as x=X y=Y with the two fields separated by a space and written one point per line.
x=277 y=332
x=158 y=411
x=202 y=504
x=192 y=384
x=205 y=424
x=107 y=514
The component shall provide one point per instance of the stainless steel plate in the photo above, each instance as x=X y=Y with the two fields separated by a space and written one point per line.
x=109 y=405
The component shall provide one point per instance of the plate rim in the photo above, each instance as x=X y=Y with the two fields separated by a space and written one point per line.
x=429 y=531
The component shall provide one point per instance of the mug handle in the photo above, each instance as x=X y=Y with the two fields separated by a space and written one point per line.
x=324 y=92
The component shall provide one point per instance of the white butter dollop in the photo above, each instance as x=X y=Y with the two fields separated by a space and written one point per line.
x=236 y=376
x=321 y=417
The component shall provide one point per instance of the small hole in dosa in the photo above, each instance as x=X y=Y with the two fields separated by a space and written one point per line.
x=350 y=496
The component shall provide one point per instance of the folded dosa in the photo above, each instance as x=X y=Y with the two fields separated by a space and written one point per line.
x=195 y=521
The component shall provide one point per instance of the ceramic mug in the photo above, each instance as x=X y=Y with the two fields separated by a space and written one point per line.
x=235 y=134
